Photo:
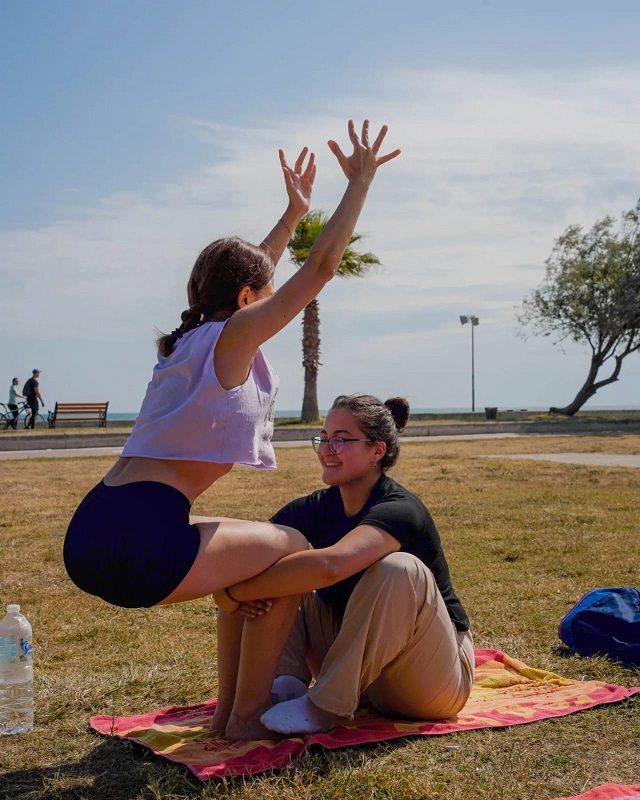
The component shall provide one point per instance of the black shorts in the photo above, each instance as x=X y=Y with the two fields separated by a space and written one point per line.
x=131 y=545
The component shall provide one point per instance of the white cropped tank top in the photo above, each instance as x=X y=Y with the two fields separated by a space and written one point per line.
x=186 y=415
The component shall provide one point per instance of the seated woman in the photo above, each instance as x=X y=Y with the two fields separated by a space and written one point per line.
x=380 y=624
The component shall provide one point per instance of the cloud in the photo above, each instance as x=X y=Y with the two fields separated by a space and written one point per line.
x=494 y=167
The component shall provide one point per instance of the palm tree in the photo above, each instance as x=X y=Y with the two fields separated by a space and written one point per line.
x=353 y=264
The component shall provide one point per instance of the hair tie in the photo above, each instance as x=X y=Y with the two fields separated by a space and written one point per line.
x=177 y=334
x=230 y=596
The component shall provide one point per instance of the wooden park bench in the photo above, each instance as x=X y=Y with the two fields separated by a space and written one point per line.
x=79 y=412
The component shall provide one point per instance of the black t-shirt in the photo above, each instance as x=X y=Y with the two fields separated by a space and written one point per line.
x=321 y=519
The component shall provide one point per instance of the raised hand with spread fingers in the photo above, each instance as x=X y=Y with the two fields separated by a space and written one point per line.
x=299 y=180
x=362 y=164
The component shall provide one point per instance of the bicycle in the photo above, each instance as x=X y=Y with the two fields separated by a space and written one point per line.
x=6 y=417
x=22 y=419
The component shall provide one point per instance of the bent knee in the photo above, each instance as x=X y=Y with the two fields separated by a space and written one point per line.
x=295 y=542
x=397 y=564
x=400 y=568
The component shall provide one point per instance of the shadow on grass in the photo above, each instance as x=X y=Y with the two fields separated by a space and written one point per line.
x=562 y=651
x=114 y=770
x=118 y=769
x=566 y=652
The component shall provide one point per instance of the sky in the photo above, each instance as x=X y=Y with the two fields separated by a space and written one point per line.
x=134 y=132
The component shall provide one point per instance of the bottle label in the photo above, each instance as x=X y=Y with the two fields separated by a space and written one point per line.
x=8 y=650
x=26 y=649
x=13 y=650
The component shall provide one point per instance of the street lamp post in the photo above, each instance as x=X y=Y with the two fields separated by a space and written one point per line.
x=474 y=321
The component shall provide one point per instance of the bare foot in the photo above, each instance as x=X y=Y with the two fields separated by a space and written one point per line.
x=247 y=730
x=220 y=720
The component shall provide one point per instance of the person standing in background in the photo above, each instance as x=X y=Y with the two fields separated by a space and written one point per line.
x=13 y=404
x=33 y=397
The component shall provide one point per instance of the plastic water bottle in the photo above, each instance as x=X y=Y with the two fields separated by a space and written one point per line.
x=16 y=672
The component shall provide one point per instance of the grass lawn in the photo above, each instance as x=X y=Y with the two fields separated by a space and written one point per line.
x=524 y=540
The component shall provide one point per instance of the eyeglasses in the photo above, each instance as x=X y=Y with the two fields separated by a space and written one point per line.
x=336 y=443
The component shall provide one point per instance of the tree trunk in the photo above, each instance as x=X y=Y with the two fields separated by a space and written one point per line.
x=310 y=361
x=310 y=412
x=590 y=386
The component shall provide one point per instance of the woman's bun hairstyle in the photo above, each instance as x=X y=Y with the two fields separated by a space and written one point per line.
x=399 y=408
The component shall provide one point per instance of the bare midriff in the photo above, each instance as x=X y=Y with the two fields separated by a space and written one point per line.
x=192 y=478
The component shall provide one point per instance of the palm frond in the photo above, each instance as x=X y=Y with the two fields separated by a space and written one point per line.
x=353 y=264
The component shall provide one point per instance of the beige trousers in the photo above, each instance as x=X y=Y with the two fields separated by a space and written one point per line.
x=395 y=649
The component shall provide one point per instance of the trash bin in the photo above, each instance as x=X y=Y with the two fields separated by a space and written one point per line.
x=490 y=412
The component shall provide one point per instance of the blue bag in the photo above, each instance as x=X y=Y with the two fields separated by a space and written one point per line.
x=605 y=621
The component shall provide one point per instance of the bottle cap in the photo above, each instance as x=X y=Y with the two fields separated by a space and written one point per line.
x=13 y=608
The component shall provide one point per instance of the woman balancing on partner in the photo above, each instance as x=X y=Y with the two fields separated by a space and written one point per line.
x=209 y=405
x=383 y=627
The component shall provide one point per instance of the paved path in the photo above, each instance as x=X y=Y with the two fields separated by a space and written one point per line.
x=11 y=455
x=594 y=459
x=19 y=455
x=588 y=459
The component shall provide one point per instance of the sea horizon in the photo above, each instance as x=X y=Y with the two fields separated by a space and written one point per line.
x=286 y=413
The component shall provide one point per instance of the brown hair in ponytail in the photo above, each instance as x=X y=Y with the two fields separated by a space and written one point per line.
x=221 y=271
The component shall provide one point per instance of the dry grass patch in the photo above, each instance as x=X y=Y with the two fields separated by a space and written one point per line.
x=525 y=539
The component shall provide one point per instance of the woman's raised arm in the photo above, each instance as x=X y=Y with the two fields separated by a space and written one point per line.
x=253 y=324
x=298 y=181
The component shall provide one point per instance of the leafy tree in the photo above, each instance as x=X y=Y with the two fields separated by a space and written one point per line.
x=353 y=264
x=591 y=294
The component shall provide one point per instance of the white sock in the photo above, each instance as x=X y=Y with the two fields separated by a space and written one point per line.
x=298 y=716
x=287 y=687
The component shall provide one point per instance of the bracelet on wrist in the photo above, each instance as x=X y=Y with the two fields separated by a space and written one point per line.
x=230 y=596
x=289 y=231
